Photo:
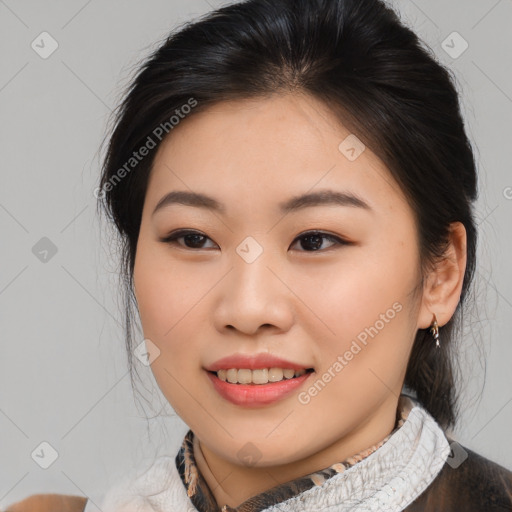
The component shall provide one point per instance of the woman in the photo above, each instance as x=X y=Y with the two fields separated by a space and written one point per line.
x=294 y=188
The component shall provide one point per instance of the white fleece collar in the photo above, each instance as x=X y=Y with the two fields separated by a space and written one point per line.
x=388 y=480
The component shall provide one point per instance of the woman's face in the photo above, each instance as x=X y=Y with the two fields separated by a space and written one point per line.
x=252 y=282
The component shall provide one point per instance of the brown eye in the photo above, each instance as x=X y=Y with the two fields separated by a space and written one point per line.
x=312 y=241
x=191 y=239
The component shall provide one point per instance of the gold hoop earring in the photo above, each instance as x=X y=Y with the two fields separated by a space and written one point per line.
x=434 y=330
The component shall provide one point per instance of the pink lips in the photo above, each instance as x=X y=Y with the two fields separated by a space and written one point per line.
x=255 y=395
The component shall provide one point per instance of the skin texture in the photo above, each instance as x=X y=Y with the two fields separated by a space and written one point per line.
x=200 y=301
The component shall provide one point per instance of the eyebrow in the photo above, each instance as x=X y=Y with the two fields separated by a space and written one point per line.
x=319 y=198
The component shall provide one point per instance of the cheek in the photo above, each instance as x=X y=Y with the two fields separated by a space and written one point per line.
x=166 y=298
x=165 y=292
x=165 y=307
x=363 y=307
x=354 y=292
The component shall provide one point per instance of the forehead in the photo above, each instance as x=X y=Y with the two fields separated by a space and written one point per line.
x=271 y=147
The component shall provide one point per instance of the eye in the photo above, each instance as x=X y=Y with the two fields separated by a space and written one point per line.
x=194 y=238
x=314 y=240
x=310 y=240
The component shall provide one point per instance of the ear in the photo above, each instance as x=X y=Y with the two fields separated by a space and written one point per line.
x=442 y=289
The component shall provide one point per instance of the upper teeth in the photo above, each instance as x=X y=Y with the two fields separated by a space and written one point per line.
x=260 y=376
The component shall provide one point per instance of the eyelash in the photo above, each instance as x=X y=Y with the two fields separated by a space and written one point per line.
x=173 y=237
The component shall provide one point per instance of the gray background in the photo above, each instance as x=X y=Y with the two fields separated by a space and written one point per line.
x=63 y=371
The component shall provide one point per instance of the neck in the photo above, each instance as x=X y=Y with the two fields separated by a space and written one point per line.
x=232 y=484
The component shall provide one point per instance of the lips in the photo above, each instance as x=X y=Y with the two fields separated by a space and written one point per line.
x=254 y=362
x=257 y=395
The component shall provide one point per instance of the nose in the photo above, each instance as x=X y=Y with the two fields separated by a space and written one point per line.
x=252 y=297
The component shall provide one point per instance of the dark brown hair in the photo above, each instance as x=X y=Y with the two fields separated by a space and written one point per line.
x=370 y=69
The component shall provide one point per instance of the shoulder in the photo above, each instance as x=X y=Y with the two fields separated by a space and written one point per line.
x=468 y=481
x=49 y=503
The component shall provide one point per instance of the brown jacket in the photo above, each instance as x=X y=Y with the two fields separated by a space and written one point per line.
x=476 y=485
